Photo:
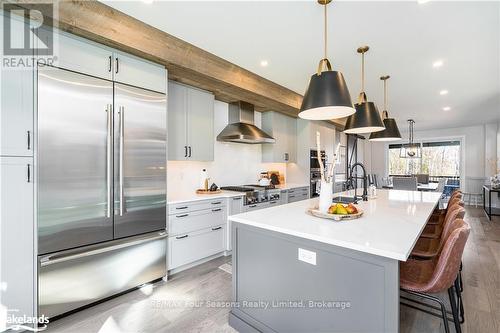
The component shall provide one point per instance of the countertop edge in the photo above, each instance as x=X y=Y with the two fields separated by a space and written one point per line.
x=347 y=245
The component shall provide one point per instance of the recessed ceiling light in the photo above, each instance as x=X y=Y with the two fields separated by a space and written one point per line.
x=437 y=63
x=443 y=92
x=446 y=108
x=264 y=63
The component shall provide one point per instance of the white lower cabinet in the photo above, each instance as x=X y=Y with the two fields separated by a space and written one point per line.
x=188 y=248
x=17 y=258
x=192 y=221
x=197 y=230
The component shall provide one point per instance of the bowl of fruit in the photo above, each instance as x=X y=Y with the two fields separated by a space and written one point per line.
x=339 y=212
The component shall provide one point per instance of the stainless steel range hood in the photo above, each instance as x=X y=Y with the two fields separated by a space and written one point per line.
x=241 y=126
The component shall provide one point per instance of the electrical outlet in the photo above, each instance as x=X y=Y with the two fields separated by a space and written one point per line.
x=307 y=256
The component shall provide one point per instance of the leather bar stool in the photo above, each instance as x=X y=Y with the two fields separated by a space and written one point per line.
x=439 y=218
x=454 y=195
x=435 y=230
x=427 y=248
x=423 y=278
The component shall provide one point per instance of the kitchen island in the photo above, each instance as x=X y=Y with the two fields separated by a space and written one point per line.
x=293 y=272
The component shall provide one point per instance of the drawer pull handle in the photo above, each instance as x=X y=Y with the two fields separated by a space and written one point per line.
x=273 y=202
x=183 y=215
x=181 y=237
x=252 y=206
x=216 y=210
x=218 y=228
x=216 y=203
x=236 y=198
x=185 y=207
x=291 y=196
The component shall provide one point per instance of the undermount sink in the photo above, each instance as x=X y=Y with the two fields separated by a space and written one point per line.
x=343 y=199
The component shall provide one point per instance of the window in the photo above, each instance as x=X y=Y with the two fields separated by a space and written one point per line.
x=440 y=158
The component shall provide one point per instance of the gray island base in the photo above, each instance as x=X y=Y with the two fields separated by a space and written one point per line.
x=334 y=290
x=293 y=272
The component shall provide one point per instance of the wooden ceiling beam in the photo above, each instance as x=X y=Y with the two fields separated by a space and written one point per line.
x=185 y=62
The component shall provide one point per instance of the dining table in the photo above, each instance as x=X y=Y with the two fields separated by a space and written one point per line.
x=420 y=187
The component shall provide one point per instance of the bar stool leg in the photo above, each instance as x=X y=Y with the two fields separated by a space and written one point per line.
x=459 y=301
x=454 y=310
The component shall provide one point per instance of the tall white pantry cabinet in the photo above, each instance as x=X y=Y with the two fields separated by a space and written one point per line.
x=18 y=154
x=17 y=195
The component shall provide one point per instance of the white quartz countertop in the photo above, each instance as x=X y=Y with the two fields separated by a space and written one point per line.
x=185 y=196
x=181 y=197
x=288 y=186
x=389 y=227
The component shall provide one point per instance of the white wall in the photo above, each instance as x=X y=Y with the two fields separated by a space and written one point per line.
x=234 y=163
x=480 y=143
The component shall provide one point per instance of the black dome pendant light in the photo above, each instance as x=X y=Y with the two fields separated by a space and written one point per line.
x=327 y=96
x=367 y=118
x=391 y=132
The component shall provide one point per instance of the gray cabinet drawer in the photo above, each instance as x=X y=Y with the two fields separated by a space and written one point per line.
x=188 y=248
x=297 y=194
x=191 y=221
x=196 y=205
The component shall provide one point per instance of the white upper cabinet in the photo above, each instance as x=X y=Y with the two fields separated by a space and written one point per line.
x=16 y=118
x=16 y=106
x=190 y=123
x=80 y=55
x=138 y=72
x=84 y=56
x=200 y=121
x=284 y=130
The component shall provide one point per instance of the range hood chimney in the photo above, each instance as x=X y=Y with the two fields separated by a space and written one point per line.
x=241 y=128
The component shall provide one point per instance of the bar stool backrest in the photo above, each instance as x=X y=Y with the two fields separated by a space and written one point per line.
x=456 y=212
x=448 y=262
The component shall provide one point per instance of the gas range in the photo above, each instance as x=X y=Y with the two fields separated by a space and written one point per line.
x=255 y=194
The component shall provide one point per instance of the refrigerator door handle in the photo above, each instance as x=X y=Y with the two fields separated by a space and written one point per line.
x=109 y=156
x=59 y=257
x=121 y=148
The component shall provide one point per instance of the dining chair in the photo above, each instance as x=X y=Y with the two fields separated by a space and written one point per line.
x=441 y=185
x=427 y=278
x=422 y=178
x=404 y=183
x=473 y=189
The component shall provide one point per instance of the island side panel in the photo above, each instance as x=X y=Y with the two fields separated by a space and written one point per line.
x=266 y=268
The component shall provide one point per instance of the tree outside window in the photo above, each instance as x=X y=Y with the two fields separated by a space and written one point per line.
x=438 y=159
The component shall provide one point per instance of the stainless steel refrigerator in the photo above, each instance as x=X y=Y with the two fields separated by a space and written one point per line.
x=101 y=188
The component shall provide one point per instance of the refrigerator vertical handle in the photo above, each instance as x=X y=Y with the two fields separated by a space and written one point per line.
x=109 y=161
x=121 y=148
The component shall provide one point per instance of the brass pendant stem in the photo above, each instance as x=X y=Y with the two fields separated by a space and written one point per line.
x=385 y=78
x=363 y=50
x=326 y=32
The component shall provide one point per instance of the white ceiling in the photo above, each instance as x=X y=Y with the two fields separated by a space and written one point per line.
x=405 y=38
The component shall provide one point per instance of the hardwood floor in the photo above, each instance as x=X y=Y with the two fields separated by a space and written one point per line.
x=176 y=306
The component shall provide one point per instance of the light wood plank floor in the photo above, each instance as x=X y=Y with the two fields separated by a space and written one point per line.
x=175 y=306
